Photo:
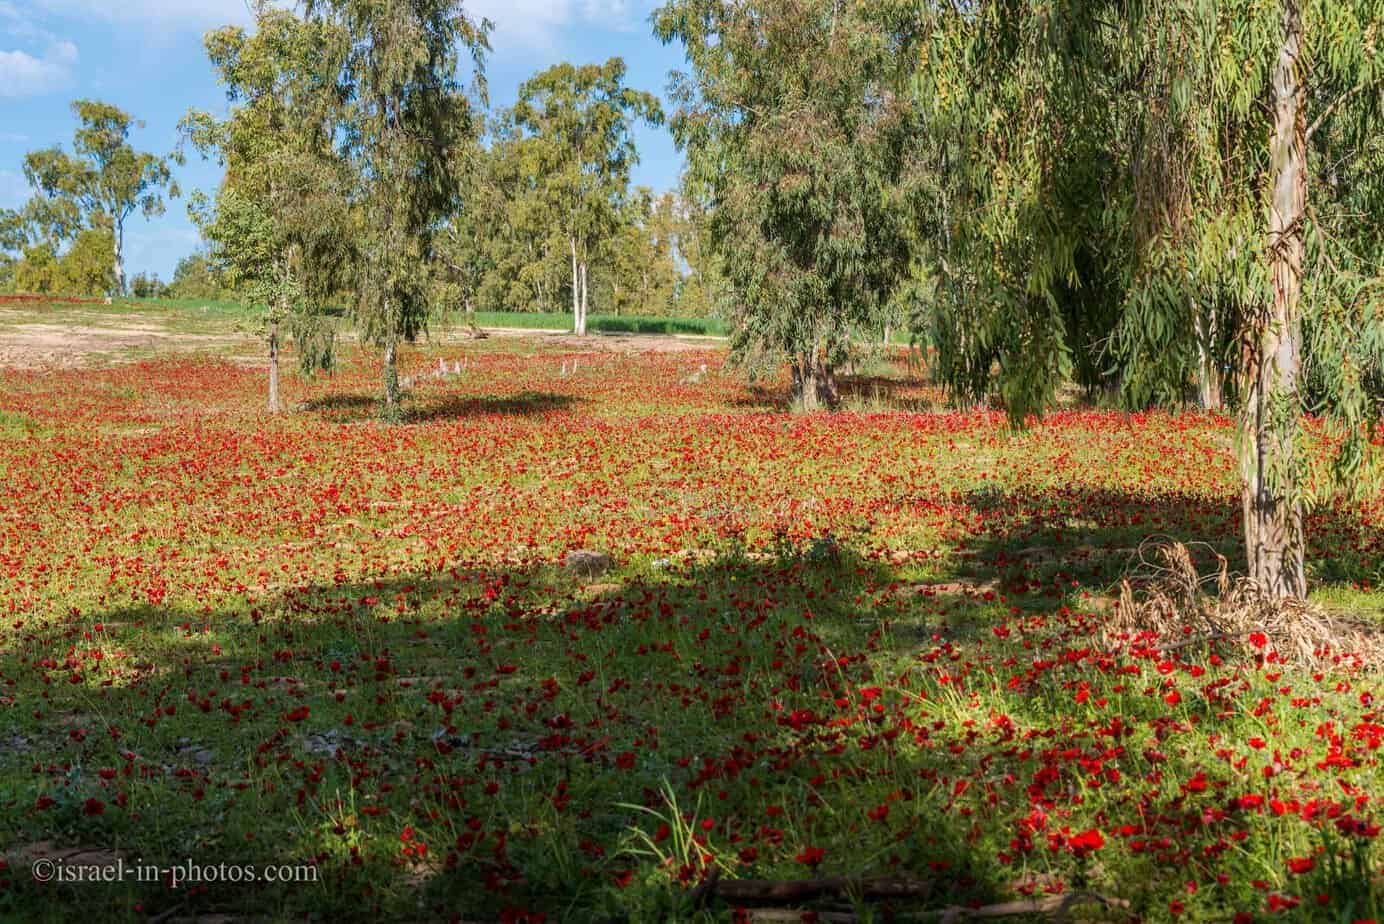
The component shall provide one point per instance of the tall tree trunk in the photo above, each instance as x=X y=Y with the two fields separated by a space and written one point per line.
x=1208 y=370
x=814 y=384
x=581 y=325
x=1273 y=513
x=274 y=405
x=391 y=376
x=577 y=325
x=119 y=237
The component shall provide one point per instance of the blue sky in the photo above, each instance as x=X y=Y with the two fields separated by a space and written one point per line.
x=146 y=57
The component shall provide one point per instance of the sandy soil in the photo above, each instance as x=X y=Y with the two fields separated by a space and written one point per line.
x=98 y=338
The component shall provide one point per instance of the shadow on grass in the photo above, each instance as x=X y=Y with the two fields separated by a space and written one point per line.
x=447 y=407
x=506 y=716
x=877 y=394
x=433 y=407
x=528 y=726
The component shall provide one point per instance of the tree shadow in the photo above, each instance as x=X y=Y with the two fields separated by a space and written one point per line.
x=886 y=393
x=1095 y=535
x=433 y=406
x=533 y=728
x=510 y=717
x=527 y=403
x=339 y=402
x=870 y=393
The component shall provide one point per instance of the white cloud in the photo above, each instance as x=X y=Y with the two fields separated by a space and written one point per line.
x=528 y=22
x=539 y=22
x=166 y=13
x=23 y=74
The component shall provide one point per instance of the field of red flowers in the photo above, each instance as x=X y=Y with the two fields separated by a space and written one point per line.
x=853 y=645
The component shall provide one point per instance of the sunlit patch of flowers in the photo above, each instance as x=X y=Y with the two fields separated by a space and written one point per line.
x=860 y=644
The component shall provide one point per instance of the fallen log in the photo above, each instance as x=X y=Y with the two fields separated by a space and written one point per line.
x=1058 y=905
x=787 y=891
x=744 y=892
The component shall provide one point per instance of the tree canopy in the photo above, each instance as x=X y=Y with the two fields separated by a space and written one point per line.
x=794 y=126
x=281 y=227
x=405 y=116
x=103 y=182
x=577 y=122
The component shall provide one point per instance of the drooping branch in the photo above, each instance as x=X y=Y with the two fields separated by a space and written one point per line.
x=1335 y=104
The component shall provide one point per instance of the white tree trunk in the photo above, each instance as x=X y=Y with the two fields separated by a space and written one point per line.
x=581 y=325
x=274 y=405
x=119 y=236
x=577 y=325
x=391 y=376
x=1274 y=536
x=1208 y=370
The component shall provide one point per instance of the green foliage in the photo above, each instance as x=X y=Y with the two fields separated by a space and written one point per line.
x=102 y=183
x=703 y=291
x=405 y=123
x=506 y=248
x=281 y=229
x=502 y=250
x=1185 y=190
x=796 y=133
x=576 y=124
x=147 y=286
x=86 y=268
x=36 y=271
x=637 y=272
x=603 y=323
x=1103 y=179
x=196 y=277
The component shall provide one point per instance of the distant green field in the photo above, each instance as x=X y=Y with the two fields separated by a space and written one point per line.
x=533 y=320
x=606 y=323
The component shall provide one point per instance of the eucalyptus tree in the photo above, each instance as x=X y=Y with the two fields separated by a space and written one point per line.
x=105 y=179
x=12 y=241
x=637 y=263
x=1220 y=132
x=702 y=289
x=280 y=227
x=503 y=249
x=406 y=115
x=580 y=121
x=792 y=122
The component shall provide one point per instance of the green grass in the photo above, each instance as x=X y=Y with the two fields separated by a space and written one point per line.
x=216 y=312
x=315 y=638
x=603 y=323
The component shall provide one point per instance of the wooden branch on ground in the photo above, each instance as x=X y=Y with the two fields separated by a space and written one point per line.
x=774 y=891
x=882 y=888
x=1059 y=905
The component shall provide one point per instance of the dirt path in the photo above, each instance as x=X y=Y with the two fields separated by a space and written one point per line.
x=97 y=338
x=88 y=338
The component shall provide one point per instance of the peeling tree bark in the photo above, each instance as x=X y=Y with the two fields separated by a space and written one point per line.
x=119 y=237
x=1208 y=371
x=274 y=404
x=1274 y=537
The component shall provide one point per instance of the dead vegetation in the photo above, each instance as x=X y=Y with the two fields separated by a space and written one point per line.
x=1167 y=602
